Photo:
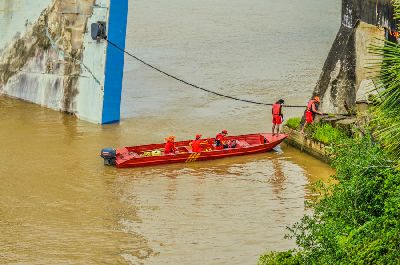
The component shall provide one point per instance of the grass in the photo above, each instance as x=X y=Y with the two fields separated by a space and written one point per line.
x=321 y=132
x=294 y=123
x=326 y=134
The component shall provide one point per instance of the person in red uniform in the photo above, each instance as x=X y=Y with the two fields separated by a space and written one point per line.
x=196 y=144
x=277 y=116
x=219 y=139
x=170 y=145
x=311 y=111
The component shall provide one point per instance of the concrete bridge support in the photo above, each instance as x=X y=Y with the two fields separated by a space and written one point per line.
x=48 y=57
x=344 y=73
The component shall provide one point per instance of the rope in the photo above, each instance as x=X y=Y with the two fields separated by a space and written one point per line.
x=193 y=85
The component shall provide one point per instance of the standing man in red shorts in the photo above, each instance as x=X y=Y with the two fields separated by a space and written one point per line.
x=277 y=116
x=312 y=109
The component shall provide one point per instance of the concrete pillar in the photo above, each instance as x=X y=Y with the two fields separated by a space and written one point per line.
x=344 y=72
x=47 y=55
x=115 y=61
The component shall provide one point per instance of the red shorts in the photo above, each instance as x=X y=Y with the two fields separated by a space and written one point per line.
x=309 y=117
x=277 y=119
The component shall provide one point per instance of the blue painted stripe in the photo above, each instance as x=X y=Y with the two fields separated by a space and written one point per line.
x=114 y=74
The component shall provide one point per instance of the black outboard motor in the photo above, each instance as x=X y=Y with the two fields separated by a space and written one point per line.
x=109 y=155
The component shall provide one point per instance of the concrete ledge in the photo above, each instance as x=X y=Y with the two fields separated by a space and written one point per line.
x=307 y=145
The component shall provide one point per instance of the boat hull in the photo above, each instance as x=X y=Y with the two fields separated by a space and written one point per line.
x=126 y=157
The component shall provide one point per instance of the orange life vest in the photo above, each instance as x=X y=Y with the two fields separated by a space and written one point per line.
x=220 y=137
x=196 y=146
x=276 y=109
x=310 y=104
x=169 y=148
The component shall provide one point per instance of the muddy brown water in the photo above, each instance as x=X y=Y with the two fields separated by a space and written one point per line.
x=60 y=205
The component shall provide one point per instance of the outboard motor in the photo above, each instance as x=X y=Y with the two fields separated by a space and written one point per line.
x=109 y=155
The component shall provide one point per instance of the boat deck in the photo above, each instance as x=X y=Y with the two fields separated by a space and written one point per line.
x=153 y=154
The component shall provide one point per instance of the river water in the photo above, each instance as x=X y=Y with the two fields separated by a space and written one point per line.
x=60 y=205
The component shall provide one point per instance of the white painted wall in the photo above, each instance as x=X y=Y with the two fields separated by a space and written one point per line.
x=91 y=84
x=33 y=83
x=16 y=14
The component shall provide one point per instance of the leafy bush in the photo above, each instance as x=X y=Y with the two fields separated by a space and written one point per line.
x=387 y=121
x=326 y=134
x=294 y=123
x=357 y=220
x=280 y=258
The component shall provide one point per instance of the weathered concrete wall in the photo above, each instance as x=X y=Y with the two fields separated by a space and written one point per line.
x=306 y=144
x=344 y=72
x=48 y=56
x=365 y=36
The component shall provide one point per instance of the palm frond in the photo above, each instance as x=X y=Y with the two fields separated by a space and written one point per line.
x=387 y=113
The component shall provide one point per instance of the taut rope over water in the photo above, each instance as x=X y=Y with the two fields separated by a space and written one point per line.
x=193 y=85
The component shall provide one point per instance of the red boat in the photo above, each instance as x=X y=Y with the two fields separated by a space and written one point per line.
x=151 y=155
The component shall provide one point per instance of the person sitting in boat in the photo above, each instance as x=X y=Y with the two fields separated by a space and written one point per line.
x=196 y=144
x=232 y=144
x=170 y=145
x=220 y=139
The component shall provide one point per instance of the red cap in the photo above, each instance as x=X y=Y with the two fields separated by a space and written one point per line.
x=224 y=131
x=198 y=136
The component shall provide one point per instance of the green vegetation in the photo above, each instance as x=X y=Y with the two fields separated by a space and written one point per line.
x=387 y=112
x=322 y=132
x=357 y=220
x=294 y=123
x=278 y=258
x=326 y=134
